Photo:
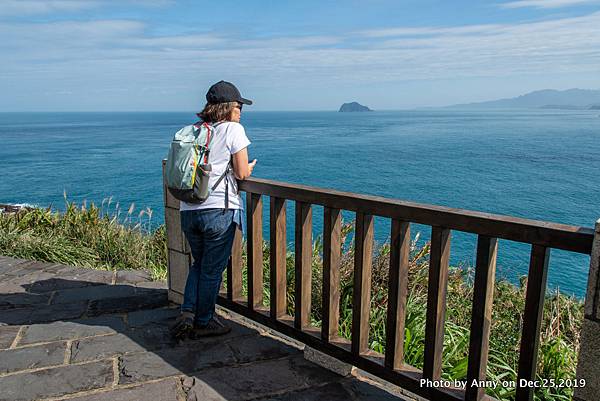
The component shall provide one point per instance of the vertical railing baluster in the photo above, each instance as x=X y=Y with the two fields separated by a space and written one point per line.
x=483 y=295
x=234 y=268
x=332 y=237
x=436 y=302
x=362 y=282
x=303 y=264
x=397 y=294
x=254 y=207
x=277 y=258
x=532 y=320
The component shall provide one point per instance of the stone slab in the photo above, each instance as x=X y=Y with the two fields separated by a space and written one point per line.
x=132 y=276
x=142 y=299
x=103 y=347
x=328 y=392
x=56 y=382
x=588 y=367
x=256 y=348
x=98 y=292
x=8 y=335
x=22 y=300
x=143 y=317
x=174 y=361
x=263 y=378
x=165 y=390
x=13 y=360
x=47 y=313
x=57 y=331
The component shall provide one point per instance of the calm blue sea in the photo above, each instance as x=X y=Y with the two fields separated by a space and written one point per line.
x=533 y=164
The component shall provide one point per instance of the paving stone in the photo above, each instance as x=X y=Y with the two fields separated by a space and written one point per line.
x=103 y=347
x=27 y=280
x=165 y=390
x=364 y=391
x=174 y=361
x=328 y=392
x=199 y=391
x=147 y=300
x=56 y=382
x=21 y=300
x=47 y=313
x=143 y=317
x=72 y=330
x=60 y=283
x=132 y=276
x=20 y=269
x=153 y=284
x=37 y=356
x=255 y=348
x=264 y=378
x=98 y=292
x=153 y=336
x=7 y=335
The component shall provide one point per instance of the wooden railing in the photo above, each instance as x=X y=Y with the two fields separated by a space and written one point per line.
x=542 y=236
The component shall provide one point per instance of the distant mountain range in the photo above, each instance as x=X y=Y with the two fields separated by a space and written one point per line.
x=571 y=99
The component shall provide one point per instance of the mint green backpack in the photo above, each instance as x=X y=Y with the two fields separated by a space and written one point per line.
x=188 y=169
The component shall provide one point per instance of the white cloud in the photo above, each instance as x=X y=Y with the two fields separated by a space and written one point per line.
x=30 y=7
x=545 y=3
x=109 y=56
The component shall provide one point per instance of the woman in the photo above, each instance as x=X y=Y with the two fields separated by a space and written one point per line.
x=210 y=226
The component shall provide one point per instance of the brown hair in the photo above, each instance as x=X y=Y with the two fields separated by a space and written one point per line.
x=215 y=112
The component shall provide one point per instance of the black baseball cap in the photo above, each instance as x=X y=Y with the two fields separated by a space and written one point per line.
x=223 y=92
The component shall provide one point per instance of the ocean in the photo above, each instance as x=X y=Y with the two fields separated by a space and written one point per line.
x=537 y=164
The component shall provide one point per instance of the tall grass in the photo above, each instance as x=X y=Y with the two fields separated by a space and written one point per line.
x=102 y=237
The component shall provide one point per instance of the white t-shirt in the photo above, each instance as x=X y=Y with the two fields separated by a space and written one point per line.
x=228 y=138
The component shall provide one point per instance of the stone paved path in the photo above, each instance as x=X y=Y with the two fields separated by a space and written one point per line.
x=82 y=334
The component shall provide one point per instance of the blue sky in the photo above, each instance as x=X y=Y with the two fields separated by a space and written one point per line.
x=162 y=55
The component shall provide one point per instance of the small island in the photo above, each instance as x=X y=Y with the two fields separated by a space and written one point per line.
x=353 y=107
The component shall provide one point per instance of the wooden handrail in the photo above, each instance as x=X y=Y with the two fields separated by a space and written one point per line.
x=551 y=235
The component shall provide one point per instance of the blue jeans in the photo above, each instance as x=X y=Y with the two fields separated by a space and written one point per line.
x=210 y=233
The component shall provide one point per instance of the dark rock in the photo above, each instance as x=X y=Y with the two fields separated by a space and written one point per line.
x=353 y=107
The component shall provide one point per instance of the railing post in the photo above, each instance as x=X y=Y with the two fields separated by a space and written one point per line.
x=439 y=258
x=303 y=264
x=332 y=236
x=532 y=320
x=588 y=367
x=254 y=207
x=234 y=268
x=398 y=293
x=363 y=254
x=277 y=258
x=481 y=318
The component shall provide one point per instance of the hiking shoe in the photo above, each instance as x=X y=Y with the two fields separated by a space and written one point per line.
x=214 y=327
x=183 y=326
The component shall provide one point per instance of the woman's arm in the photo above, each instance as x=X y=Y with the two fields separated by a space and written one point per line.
x=241 y=168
